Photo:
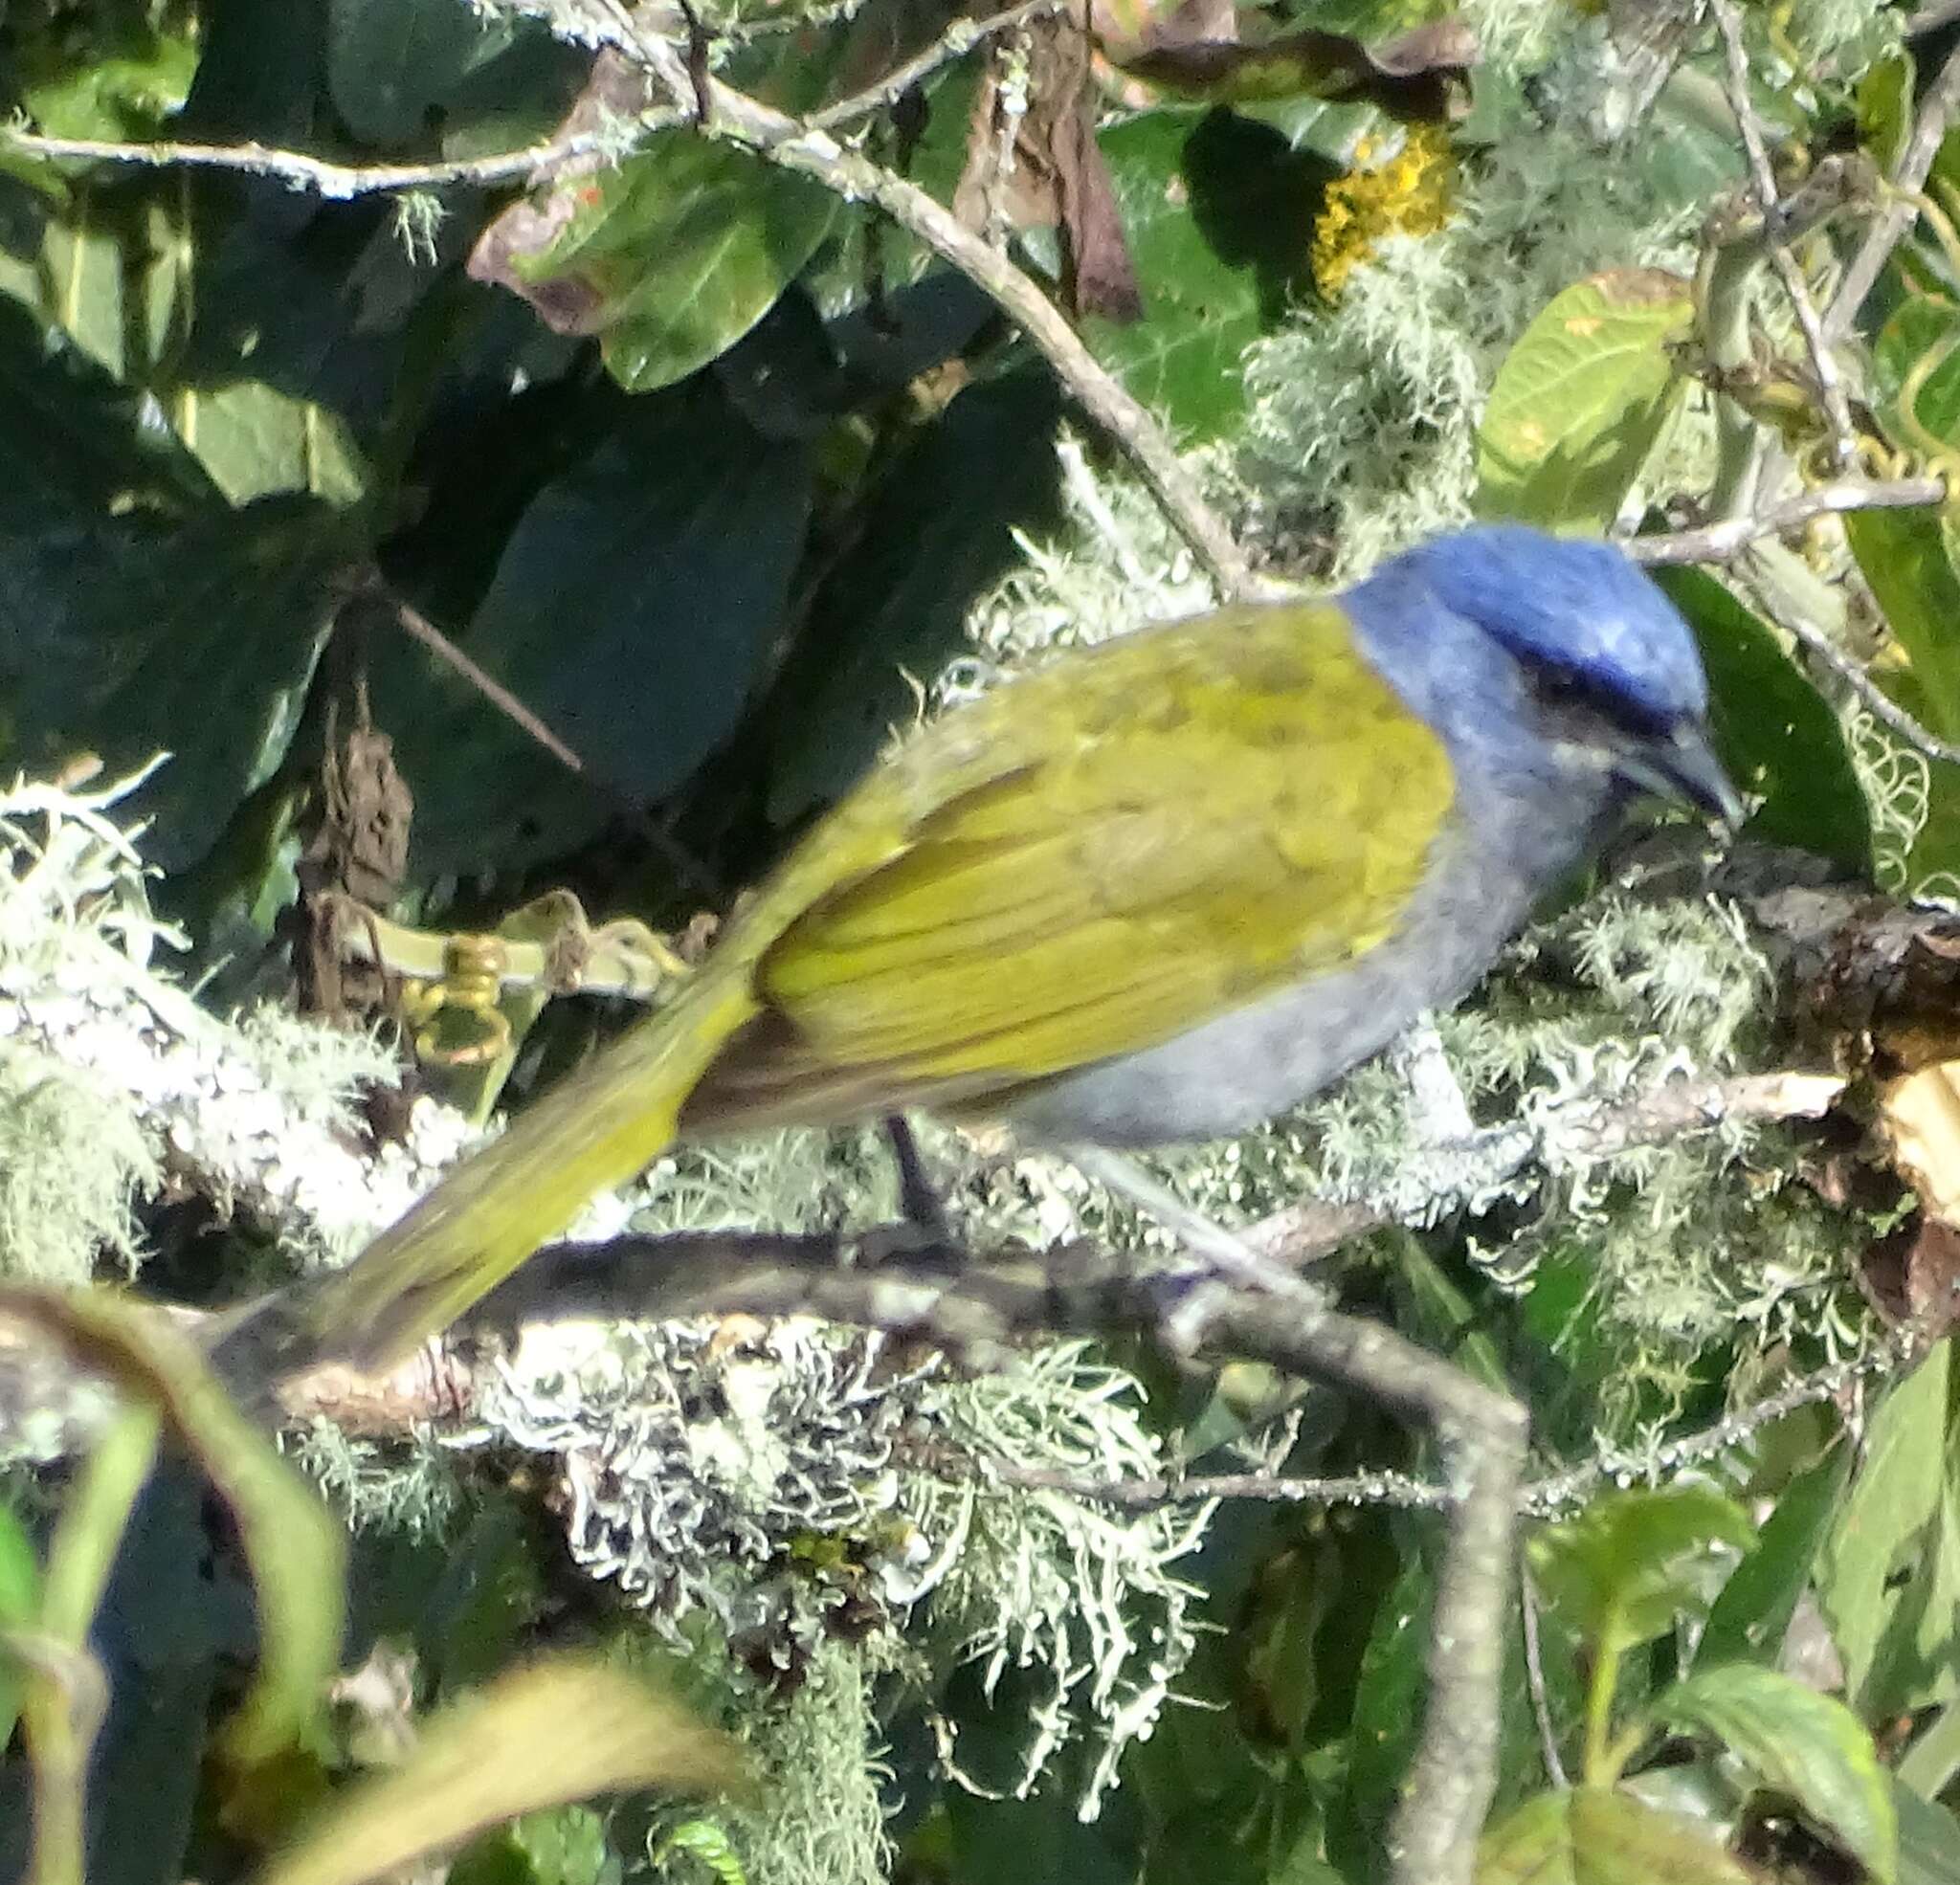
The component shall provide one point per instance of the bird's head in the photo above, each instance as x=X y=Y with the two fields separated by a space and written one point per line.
x=1611 y=675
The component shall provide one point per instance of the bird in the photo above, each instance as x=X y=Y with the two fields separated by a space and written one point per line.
x=1156 y=891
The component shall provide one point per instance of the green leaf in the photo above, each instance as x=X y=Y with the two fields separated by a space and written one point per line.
x=1917 y=342
x=1798 y=1743
x=1929 y=1840
x=1905 y=556
x=294 y=1548
x=1592 y=1837
x=1219 y=216
x=1888 y=1575
x=670 y=258
x=391 y=64
x=1777 y=737
x=1620 y=1573
x=633 y=609
x=557 y=1731
x=1581 y=399
x=1884 y=109
x=1754 y=1611
x=125 y=96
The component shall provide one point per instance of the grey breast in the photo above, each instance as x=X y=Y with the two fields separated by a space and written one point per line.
x=1503 y=846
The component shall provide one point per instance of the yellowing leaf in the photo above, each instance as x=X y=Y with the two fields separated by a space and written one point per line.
x=540 y=1737
x=1581 y=399
x=1594 y=1837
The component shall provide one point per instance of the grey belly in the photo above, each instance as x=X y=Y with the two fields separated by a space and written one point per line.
x=1229 y=1074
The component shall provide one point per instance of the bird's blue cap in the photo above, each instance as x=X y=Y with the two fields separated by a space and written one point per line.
x=1584 y=608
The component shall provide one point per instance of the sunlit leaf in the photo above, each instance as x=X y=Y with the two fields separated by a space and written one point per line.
x=555 y=1732
x=1888 y=1576
x=670 y=258
x=1581 y=399
x=1632 y=1563
x=1749 y=1619
x=1796 y=1743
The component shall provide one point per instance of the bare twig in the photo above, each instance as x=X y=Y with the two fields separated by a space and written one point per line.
x=1889 y=229
x=1873 y=697
x=530 y=163
x=1725 y=540
x=419 y=628
x=689 y=868
x=341 y=182
x=955 y=42
x=1769 y=198
x=1535 y=1683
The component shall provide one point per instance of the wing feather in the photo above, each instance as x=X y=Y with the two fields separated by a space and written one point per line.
x=1092 y=860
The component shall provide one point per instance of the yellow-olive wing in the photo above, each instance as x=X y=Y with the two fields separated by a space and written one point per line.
x=1090 y=861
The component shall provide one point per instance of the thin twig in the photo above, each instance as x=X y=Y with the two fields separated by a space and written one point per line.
x=1889 y=229
x=341 y=182
x=1769 y=197
x=531 y=162
x=1547 y=1498
x=1534 y=1682
x=1725 y=540
x=418 y=627
x=1873 y=697
x=955 y=42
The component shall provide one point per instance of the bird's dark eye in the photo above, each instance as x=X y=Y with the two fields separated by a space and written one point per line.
x=1566 y=694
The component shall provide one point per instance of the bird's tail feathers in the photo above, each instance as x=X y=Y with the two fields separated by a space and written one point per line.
x=586 y=1136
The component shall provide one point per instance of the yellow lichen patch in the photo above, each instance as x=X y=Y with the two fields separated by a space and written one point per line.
x=1409 y=194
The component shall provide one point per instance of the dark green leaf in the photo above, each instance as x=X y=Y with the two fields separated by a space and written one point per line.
x=390 y=63
x=939 y=529
x=1776 y=735
x=1796 y=1743
x=1632 y=1563
x=199 y=641
x=631 y=611
x=670 y=259
x=1750 y=1616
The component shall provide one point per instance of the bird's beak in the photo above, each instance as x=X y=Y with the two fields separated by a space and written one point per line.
x=1683 y=767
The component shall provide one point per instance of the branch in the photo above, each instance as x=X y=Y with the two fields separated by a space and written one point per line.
x=1769 y=198
x=341 y=182
x=1725 y=540
x=1889 y=229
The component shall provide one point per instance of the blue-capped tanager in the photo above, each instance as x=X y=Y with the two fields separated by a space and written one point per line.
x=1159 y=890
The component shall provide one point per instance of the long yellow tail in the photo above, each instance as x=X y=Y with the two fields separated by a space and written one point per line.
x=592 y=1132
